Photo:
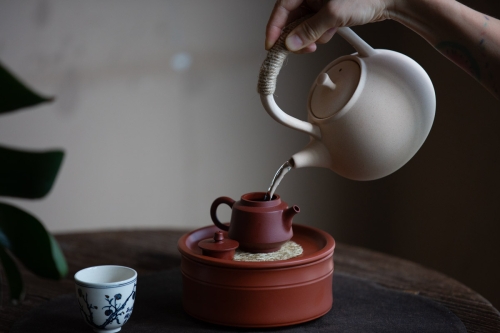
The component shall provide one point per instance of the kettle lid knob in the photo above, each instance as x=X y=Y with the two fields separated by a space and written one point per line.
x=334 y=88
x=325 y=81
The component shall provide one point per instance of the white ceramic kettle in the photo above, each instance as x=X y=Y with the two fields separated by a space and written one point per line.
x=368 y=113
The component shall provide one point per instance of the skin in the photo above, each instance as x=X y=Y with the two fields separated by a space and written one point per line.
x=468 y=38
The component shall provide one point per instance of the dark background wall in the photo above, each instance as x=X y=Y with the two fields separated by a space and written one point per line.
x=441 y=209
x=158 y=113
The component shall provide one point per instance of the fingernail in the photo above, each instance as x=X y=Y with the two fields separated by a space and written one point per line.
x=294 y=43
x=331 y=30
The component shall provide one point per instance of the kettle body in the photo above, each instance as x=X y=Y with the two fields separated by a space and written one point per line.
x=368 y=113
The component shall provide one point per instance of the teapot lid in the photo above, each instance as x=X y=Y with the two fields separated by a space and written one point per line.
x=333 y=88
x=218 y=243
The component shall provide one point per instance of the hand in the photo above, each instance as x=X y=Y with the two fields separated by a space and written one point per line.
x=320 y=28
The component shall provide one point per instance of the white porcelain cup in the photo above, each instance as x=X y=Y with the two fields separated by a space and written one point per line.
x=106 y=295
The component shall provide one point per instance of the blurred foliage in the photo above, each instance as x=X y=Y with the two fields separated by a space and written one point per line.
x=14 y=94
x=28 y=175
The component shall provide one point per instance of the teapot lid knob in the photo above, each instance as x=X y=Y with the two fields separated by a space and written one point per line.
x=218 y=236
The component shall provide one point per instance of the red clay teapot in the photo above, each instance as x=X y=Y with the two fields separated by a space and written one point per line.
x=260 y=226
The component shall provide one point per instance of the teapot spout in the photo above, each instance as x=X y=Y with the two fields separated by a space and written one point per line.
x=315 y=154
x=288 y=215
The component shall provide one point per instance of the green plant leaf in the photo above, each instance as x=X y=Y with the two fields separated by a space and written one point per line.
x=14 y=278
x=26 y=174
x=14 y=94
x=27 y=239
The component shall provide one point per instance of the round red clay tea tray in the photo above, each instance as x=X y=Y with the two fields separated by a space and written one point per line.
x=258 y=294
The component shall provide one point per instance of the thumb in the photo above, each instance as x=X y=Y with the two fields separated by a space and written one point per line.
x=307 y=32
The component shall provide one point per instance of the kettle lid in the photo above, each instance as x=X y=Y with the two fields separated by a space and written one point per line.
x=333 y=88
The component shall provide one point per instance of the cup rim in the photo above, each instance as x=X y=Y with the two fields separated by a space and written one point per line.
x=114 y=284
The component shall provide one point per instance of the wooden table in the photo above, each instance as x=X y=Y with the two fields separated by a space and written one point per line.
x=150 y=251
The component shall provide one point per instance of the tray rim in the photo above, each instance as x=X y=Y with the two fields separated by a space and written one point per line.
x=325 y=251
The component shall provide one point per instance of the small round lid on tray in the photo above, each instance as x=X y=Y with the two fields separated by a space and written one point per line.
x=218 y=246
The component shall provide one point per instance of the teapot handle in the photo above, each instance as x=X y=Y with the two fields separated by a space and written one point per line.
x=272 y=65
x=213 y=211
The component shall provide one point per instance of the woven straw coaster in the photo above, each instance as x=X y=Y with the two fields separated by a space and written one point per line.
x=288 y=250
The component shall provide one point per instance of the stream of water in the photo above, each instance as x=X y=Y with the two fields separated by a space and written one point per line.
x=282 y=171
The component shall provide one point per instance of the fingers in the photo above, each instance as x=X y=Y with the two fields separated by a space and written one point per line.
x=322 y=40
x=325 y=38
x=317 y=28
x=282 y=13
x=303 y=38
x=308 y=49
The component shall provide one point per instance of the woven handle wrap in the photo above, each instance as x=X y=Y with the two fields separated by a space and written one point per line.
x=274 y=61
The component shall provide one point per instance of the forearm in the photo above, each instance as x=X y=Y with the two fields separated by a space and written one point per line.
x=468 y=38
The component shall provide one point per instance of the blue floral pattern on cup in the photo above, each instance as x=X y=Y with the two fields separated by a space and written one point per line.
x=114 y=310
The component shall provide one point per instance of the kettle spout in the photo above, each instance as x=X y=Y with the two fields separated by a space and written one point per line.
x=288 y=215
x=315 y=154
